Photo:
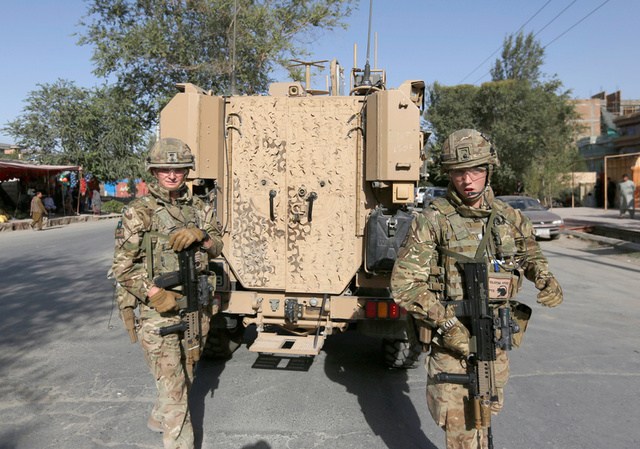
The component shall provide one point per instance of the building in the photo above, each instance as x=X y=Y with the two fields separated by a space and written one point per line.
x=609 y=140
x=12 y=151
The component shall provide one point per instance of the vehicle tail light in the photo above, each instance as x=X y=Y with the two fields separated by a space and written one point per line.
x=383 y=309
x=371 y=309
x=394 y=310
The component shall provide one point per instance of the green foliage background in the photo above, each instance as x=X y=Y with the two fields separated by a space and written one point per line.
x=529 y=120
x=146 y=48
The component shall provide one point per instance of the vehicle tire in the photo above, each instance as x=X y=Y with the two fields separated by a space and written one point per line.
x=403 y=353
x=223 y=342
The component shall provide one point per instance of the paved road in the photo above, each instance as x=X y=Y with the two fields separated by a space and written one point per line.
x=69 y=380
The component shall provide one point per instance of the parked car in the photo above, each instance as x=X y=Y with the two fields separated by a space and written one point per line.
x=546 y=224
x=424 y=195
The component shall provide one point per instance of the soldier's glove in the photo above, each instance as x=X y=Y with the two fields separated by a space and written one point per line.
x=184 y=237
x=550 y=291
x=164 y=301
x=455 y=336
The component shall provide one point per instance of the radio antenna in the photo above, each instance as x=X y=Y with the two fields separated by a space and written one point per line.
x=366 y=78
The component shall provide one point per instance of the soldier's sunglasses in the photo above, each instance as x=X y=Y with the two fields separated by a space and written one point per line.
x=473 y=172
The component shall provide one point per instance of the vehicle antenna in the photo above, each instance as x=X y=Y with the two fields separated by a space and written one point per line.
x=233 y=49
x=366 y=78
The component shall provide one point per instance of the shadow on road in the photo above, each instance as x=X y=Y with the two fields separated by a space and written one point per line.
x=355 y=361
x=206 y=381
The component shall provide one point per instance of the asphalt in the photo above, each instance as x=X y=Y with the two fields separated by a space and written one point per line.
x=599 y=225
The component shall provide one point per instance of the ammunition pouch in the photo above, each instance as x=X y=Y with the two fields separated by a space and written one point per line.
x=425 y=333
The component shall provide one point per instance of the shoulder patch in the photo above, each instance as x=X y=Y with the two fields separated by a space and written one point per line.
x=119 y=230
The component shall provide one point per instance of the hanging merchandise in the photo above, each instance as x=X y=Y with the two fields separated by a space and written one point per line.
x=64 y=178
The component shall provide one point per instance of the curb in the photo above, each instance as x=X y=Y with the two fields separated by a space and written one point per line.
x=24 y=225
x=616 y=243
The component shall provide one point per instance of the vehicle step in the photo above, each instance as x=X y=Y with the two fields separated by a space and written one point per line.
x=287 y=344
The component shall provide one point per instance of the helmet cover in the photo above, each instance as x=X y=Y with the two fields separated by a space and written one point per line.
x=467 y=148
x=170 y=153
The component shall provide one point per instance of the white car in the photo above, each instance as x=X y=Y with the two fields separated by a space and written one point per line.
x=424 y=195
x=546 y=224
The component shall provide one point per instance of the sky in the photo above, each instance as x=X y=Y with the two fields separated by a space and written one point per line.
x=590 y=45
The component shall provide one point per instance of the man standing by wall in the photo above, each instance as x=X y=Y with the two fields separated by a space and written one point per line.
x=38 y=211
x=627 y=201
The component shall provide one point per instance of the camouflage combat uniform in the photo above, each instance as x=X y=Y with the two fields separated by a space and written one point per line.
x=145 y=226
x=428 y=272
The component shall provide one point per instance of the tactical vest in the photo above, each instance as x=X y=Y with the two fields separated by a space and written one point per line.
x=160 y=257
x=462 y=239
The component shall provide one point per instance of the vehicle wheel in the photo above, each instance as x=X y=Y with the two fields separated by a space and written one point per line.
x=223 y=342
x=403 y=353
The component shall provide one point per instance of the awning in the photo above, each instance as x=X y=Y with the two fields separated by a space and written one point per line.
x=16 y=169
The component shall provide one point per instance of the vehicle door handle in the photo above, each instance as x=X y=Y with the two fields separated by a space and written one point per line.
x=272 y=195
x=312 y=197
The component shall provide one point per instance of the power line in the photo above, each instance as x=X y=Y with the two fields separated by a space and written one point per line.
x=500 y=47
x=554 y=19
x=577 y=23
x=561 y=34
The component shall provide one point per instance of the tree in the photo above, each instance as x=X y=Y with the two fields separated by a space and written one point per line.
x=97 y=129
x=522 y=58
x=531 y=127
x=450 y=109
x=151 y=45
x=529 y=121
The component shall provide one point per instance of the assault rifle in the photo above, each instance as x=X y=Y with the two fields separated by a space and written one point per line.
x=480 y=379
x=196 y=295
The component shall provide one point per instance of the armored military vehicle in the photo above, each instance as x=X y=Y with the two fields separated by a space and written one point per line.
x=313 y=190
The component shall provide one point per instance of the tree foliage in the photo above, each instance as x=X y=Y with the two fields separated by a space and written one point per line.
x=151 y=45
x=95 y=128
x=521 y=59
x=146 y=47
x=530 y=121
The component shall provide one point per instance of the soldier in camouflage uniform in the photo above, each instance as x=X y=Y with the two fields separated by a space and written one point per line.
x=428 y=275
x=152 y=231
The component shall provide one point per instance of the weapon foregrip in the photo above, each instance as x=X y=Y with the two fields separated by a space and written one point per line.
x=168 y=280
x=173 y=329
x=461 y=379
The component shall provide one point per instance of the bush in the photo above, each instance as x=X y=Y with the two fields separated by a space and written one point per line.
x=113 y=207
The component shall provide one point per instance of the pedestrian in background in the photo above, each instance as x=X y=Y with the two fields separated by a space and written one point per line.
x=96 y=203
x=38 y=211
x=49 y=205
x=627 y=196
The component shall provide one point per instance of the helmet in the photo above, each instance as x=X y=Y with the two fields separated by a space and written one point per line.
x=467 y=148
x=170 y=153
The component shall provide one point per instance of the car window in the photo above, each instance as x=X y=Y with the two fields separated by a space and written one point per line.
x=526 y=204
x=439 y=192
x=531 y=204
